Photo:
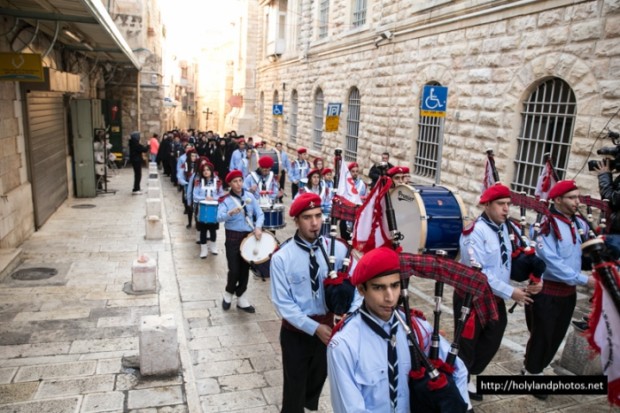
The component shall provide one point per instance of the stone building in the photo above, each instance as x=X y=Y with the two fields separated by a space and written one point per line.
x=523 y=78
x=107 y=57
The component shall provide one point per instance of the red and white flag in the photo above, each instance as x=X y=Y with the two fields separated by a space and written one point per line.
x=488 y=180
x=371 y=228
x=346 y=187
x=604 y=337
x=546 y=180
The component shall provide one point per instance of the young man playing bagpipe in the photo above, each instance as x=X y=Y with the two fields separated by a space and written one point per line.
x=369 y=358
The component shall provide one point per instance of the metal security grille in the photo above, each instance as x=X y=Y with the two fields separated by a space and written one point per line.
x=429 y=147
x=359 y=13
x=353 y=126
x=547 y=123
x=323 y=18
x=274 y=118
x=261 y=111
x=293 y=121
x=317 y=137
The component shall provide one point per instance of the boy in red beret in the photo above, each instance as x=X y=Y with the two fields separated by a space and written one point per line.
x=299 y=169
x=398 y=174
x=559 y=246
x=298 y=270
x=369 y=359
x=346 y=227
x=486 y=242
x=263 y=183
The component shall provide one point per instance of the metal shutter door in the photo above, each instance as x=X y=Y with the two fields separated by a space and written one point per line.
x=47 y=146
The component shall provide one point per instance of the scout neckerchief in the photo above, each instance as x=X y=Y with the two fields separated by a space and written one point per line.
x=499 y=229
x=314 y=264
x=392 y=355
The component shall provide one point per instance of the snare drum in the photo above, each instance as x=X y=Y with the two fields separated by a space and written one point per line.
x=274 y=216
x=207 y=212
x=430 y=218
x=258 y=252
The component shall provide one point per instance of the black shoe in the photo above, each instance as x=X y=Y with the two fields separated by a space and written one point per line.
x=475 y=396
x=249 y=309
x=225 y=305
x=470 y=410
x=542 y=397
x=586 y=318
x=188 y=226
x=581 y=325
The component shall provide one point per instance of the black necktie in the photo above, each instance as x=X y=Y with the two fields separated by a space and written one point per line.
x=392 y=354
x=314 y=265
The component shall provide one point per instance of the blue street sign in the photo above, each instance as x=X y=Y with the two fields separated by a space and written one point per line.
x=434 y=98
x=277 y=110
x=333 y=109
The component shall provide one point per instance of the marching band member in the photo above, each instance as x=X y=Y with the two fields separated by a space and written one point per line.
x=486 y=242
x=370 y=344
x=239 y=158
x=206 y=187
x=241 y=215
x=299 y=169
x=317 y=186
x=285 y=167
x=185 y=169
x=262 y=183
x=298 y=270
x=398 y=175
x=559 y=246
x=319 y=164
x=360 y=186
x=328 y=177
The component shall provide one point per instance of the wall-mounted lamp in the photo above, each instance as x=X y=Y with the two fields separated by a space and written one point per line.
x=273 y=57
x=386 y=35
x=72 y=35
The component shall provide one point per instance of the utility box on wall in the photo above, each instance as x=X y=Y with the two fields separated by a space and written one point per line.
x=86 y=116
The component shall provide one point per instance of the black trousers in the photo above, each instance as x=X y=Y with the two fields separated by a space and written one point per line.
x=281 y=183
x=304 y=362
x=137 y=174
x=478 y=352
x=548 y=318
x=204 y=228
x=294 y=189
x=238 y=268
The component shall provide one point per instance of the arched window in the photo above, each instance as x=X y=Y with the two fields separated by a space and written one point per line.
x=261 y=111
x=547 y=123
x=427 y=161
x=317 y=125
x=274 y=118
x=353 y=125
x=293 y=119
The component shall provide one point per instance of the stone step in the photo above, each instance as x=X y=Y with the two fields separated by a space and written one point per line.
x=10 y=259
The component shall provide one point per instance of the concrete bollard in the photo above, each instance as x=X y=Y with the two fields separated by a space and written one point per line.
x=159 y=347
x=578 y=357
x=154 y=192
x=154 y=227
x=153 y=207
x=144 y=275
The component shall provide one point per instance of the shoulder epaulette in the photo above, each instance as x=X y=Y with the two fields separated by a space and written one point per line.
x=222 y=198
x=343 y=321
x=469 y=228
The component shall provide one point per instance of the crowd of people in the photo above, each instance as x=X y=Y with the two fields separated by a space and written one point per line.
x=239 y=183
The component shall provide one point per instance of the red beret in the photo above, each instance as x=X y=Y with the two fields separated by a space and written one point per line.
x=353 y=165
x=190 y=149
x=258 y=145
x=305 y=201
x=302 y=150
x=561 y=188
x=376 y=263
x=397 y=170
x=316 y=160
x=241 y=140
x=235 y=173
x=312 y=172
x=326 y=171
x=265 y=162
x=494 y=192
x=204 y=163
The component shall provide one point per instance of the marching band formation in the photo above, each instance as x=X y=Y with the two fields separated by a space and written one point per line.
x=340 y=283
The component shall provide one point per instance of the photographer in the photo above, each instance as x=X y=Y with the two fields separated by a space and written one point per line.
x=609 y=189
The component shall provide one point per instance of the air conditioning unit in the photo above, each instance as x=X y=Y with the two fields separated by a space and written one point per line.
x=276 y=47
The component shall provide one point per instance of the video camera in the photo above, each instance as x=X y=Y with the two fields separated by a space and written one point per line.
x=611 y=152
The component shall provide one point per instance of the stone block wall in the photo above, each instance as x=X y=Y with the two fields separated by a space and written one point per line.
x=490 y=58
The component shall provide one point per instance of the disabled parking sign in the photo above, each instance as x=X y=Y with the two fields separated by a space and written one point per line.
x=434 y=100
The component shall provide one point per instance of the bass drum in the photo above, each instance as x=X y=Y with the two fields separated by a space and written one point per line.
x=258 y=253
x=255 y=154
x=430 y=218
